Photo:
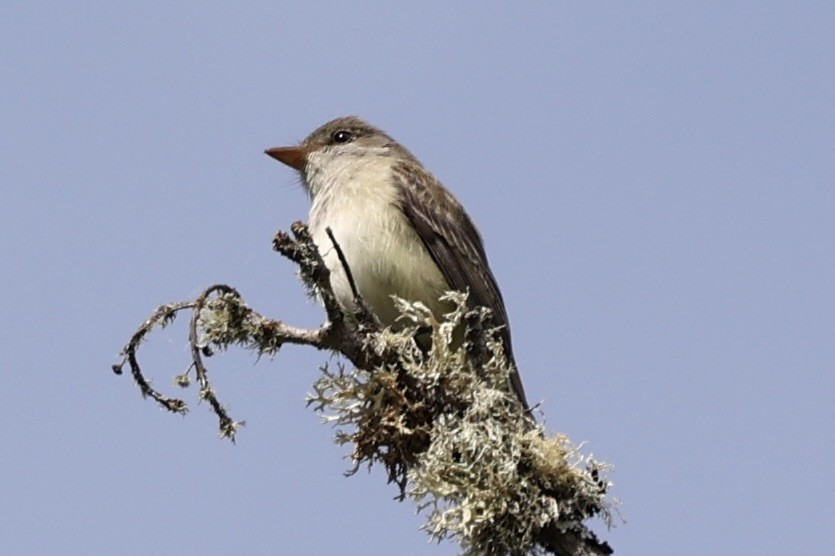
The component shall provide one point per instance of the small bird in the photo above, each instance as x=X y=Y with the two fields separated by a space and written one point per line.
x=402 y=232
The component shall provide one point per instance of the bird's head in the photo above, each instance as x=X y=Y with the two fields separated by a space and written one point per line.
x=336 y=147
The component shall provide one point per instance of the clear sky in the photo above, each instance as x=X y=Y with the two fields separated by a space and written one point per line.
x=654 y=181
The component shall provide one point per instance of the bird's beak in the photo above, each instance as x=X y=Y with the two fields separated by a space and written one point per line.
x=294 y=157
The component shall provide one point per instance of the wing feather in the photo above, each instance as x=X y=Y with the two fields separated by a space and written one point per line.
x=455 y=245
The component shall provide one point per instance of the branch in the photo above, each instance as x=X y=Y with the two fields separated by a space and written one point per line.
x=443 y=424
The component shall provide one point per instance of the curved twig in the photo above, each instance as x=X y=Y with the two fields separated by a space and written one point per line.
x=228 y=427
x=162 y=316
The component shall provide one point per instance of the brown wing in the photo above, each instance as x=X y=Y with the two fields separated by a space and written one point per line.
x=455 y=245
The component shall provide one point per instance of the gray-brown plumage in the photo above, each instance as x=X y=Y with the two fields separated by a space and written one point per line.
x=403 y=233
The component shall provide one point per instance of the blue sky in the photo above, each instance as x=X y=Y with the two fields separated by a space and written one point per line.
x=653 y=181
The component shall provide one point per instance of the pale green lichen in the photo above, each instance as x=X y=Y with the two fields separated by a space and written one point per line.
x=456 y=441
x=227 y=321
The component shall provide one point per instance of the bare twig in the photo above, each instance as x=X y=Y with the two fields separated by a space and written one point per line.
x=163 y=315
x=344 y=262
x=362 y=313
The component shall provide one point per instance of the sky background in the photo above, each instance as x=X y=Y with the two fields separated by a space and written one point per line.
x=655 y=184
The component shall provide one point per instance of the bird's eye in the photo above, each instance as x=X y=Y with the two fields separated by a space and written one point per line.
x=342 y=136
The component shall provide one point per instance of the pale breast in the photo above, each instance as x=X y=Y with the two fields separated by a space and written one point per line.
x=385 y=254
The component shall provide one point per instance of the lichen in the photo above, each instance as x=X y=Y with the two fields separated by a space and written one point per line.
x=458 y=443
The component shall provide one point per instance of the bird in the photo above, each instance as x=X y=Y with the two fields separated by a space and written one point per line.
x=402 y=232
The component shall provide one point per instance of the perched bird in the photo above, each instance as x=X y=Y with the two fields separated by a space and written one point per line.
x=402 y=232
